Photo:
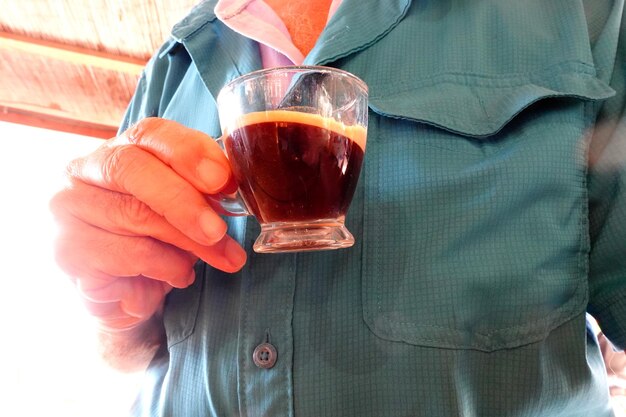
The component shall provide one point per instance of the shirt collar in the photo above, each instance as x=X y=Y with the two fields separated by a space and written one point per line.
x=199 y=16
x=258 y=21
x=355 y=25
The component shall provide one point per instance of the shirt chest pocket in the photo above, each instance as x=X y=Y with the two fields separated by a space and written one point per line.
x=475 y=208
x=475 y=243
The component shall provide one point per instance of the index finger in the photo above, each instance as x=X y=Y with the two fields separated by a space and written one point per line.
x=128 y=169
x=194 y=155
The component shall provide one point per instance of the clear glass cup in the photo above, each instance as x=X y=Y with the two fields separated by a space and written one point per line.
x=295 y=138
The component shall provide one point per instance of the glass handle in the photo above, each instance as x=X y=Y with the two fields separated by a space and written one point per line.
x=232 y=204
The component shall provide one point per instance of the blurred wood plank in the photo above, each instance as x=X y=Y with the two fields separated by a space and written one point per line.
x=134 y=28
x=69 y=53
x=64 y=89
x=73 y=66
x=54 y=122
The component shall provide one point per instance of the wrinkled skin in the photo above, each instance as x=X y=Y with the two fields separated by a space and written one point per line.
x=135 y=216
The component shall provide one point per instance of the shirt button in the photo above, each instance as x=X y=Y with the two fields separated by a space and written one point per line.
x=265 y=355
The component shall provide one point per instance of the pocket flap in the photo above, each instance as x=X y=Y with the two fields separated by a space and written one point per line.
x=480 y=106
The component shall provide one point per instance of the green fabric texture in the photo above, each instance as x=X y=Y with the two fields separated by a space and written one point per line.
x=482 y=233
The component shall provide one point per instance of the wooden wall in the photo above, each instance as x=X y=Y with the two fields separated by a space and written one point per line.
x=73 y=65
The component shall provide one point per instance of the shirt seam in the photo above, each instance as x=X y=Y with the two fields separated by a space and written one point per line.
x=483 y=80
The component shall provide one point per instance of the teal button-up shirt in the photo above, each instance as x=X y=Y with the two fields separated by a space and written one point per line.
x=489 y=218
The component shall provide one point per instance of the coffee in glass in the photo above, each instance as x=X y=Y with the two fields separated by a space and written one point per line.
x=295 y=138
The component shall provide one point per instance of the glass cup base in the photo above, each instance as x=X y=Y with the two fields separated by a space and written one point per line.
x=303 y=237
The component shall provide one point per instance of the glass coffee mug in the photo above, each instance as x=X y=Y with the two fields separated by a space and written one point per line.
x=295 y=138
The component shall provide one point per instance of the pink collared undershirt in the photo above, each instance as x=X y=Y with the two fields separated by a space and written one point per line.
x=258 y=21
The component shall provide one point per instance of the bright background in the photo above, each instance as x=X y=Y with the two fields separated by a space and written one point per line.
x=50 y=365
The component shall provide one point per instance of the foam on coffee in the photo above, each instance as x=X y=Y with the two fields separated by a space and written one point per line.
x=357 y=133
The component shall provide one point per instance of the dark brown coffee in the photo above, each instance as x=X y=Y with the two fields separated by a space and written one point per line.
x=294 y=167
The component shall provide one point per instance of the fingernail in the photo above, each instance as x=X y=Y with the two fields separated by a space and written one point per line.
x=235 y=255
x=213 y=174
x=213 y=227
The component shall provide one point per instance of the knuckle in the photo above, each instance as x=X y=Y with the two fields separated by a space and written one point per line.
x=73 y=168
x=112 y=162
x=60 y=201
x=130 y=210
x=143 y=130
x=119 y=163
x=173 y=141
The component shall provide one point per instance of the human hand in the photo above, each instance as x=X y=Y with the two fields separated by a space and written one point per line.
x=134 y=218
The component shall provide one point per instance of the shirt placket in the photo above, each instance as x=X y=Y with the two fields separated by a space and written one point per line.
x=265 y=355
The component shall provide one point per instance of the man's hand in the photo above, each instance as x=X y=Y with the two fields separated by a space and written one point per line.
x=135 y=218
